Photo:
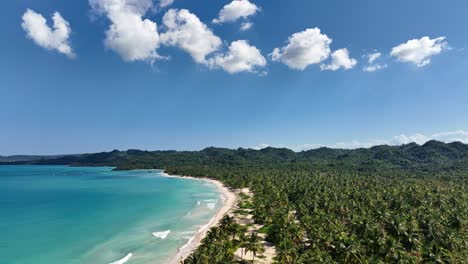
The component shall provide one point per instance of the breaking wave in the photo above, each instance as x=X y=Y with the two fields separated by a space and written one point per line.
x=123 y=260
x=161 y=235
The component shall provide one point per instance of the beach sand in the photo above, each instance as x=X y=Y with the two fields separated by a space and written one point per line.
x=228 y=198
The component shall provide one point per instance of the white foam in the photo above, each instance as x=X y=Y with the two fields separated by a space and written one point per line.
x=125 y=259
x=200 y=230
x=204 y=227
x=161 y=235
x=188 y=234
x=187 y=244
x=211 y=206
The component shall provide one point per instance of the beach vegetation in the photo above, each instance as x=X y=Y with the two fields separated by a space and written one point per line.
x=385 y=204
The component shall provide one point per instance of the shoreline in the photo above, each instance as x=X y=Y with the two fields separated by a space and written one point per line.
x=228 y=199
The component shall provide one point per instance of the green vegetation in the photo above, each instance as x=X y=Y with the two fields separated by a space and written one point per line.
x=386 y=204
x=432 y=157
x=241 y=212
x=29 y=158
x=221 y=242
x=263 y=230
x=246 y=205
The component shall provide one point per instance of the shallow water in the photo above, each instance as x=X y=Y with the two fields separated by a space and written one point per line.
x=60 y=214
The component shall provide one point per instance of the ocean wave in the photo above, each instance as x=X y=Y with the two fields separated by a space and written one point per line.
x=161 y=235
x=187 y=244
x=125 y=259
x=191 y=232
x=188 y=234
x=211 y=205
x=204 y=227
x=210 y=200
x=200 y=230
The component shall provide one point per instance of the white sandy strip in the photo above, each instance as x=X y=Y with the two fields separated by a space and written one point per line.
x=229 y=200
x=122 y=261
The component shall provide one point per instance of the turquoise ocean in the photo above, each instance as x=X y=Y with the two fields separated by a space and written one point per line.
x=93 y=215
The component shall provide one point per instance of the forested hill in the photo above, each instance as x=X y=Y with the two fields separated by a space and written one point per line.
x=431 y=157
x=29 y=158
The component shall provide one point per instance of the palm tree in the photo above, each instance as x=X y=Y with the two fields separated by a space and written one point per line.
x=254 y=245
x=283 y=256
x=242 y=242
x=226 y=221
x=348 y=216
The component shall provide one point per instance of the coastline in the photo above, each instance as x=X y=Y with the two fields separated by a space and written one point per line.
x=228 y=198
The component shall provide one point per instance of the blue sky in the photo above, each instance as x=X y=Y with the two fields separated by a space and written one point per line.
x=85 y=90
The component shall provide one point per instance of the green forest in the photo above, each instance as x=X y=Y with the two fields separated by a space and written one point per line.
x=385 y=204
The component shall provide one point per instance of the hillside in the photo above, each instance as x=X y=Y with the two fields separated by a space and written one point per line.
x=30 y=158
x=431 y=157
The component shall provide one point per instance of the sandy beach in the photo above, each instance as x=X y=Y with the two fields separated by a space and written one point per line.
x=228 y=199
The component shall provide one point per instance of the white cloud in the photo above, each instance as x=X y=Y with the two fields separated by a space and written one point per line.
x=373 y=66
x=261 y=146
x=165 y=3
x=419 y=51
x=56 y=38
x=354 y=144
x=303 y=49
x=186 y=31
x=241 y=57
x=406 y=139
x=372 y=57
x=451 y=136
x=131 y=36
x=135 y=6
x=418 y=138
x=246 y=26
x=340 y=59
x=235 y=10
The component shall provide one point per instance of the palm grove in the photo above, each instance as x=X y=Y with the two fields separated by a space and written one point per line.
x=386 y=204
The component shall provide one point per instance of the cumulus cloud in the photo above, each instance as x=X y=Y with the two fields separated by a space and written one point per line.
x=303 y=49
x=135 y=6
x=186 y=31
x=235 y=10
x=55 y=38
x=450 y=136
x=340 y=59
x=372 y=57
x=374 y=68
x=165 y=3
x=406 y=139
x=131 y=36
x=261 y=146
x=419 y=51
x=246 y=26
x=373 y=65
x=241 y=57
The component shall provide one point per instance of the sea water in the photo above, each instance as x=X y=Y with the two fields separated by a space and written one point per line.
x=93 y=215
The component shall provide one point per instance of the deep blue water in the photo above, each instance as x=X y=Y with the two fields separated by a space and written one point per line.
x=60 y=214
